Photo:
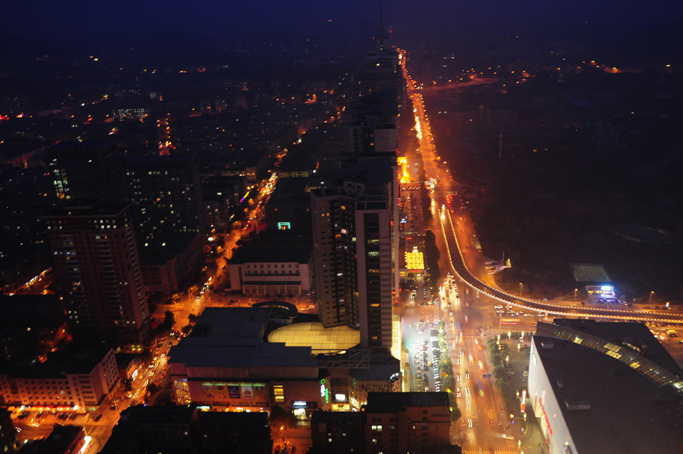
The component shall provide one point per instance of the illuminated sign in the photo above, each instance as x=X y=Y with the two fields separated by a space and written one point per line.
x=606 y=288
x=545 y=418
x=324 y=392
x=523 y=401
x=340 y=397
x=299 y=403
x=284 y=226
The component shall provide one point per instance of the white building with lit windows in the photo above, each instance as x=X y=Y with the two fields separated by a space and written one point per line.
x=70 y=380
x=604 y=388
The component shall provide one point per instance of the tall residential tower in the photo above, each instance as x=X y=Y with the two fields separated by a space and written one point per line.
x=355 y=238
x=97 y=269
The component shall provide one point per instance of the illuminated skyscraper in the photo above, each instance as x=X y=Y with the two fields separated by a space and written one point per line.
x=355 y=237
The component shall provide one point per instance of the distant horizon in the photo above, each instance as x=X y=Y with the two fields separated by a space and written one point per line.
x=91 y=25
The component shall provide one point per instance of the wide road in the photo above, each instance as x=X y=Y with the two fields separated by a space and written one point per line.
x=460 y=235
x=481 y=426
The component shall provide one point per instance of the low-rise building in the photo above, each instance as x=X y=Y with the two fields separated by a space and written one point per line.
x=279 y=266
x=128 y=364
x=77 y=379
x=62 y=440
x=166 y=264
x=236 y=433
x=154 y=429
x=390 y=422
x=226 y=364
x=186 y=430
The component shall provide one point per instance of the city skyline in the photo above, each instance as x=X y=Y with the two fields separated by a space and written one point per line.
x=387 y=227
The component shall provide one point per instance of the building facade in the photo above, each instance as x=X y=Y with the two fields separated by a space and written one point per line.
x=97 y=269
x=165 y=196
x=355 y=232
x=87 y=170
x=266 y=268
x=69 y=380
x=389 y=423
x=334 y=236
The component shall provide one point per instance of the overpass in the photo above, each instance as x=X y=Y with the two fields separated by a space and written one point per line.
x=462 y=271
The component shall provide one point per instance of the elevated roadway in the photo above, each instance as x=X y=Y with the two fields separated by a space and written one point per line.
x=460 y=268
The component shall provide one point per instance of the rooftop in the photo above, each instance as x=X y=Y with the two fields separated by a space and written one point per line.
x=71 y=360
x=58 y=441
x=141 y=414
x=233 y=337
x=370 y=171
x=218 y=322
x=395 y=402
x=622 y=410
x=88 y=208
x=210 y=353
x=280 y=248
x=589 y=272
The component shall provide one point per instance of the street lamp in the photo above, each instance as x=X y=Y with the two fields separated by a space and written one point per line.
x=574 y=299
x=521 y=288
x=651 y=293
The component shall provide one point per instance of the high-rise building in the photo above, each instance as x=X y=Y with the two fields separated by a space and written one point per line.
x=334 y=239
x=382 y=68
x=355 y=243
x=97 y=269
x=372 y=124
x=87 y=170
x=165 y=195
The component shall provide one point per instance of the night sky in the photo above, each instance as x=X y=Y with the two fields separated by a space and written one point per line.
x=82 y=23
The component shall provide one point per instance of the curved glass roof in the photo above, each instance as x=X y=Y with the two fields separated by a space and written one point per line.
x=314 y=335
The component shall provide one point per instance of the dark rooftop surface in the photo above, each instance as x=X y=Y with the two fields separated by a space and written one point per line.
x=233 y=337
x=88 y=208
x=58 y=441
x=218 y=322
x=632 y=333
x=334 y=418
x=141 y=414
x=212 y=419
x=370 y=171
x=72 y=360
x=394 y=402
x=628 y=413
x=280 y=248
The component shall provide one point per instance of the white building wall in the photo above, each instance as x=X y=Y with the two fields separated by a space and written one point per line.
x=546 y=407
